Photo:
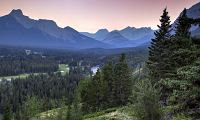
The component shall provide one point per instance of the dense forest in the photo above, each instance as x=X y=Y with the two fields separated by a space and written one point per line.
x=161 y=82
x=32 y=63
x=49 y=89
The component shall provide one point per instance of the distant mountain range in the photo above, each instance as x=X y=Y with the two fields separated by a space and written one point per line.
x=130 y=33
x=133 y=33
x=143 y=36
x=17 y=29
x=127 y=37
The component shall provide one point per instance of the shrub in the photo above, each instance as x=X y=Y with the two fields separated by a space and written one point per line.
x=145 y=99
x=181 y=117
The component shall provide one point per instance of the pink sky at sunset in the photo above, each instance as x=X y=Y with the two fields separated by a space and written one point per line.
x=91 y=15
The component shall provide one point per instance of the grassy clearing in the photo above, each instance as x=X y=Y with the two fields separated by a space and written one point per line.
x=116 y=114
x=63 y=67
x=50 y=112
x=21 y=76
x=122 y=113
x=102 y=57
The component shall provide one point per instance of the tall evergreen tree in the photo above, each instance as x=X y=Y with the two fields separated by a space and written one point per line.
x=6 y=113
x=68 y=114
x=17 y=115
x=88 y=95
x=122 y=83
x=77 y=113
x=181 y=40
x=157 y=51
x=108 y=75
x=183 y=82
x=97 y=81
x=183 y=25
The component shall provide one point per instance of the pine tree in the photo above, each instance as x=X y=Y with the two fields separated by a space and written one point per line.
x=1 y=106
x=68 y=115
x=145 y=99
x=108 y=74
x=6 y=113
x=183 y=25
x=76 y=109
x=17 y=115
x=24 y=114
x=181 y=40
x=122 y=83
x=183 y=82
x=88 y=95
x=157 y=51
x=96 y=82
x=105 y=98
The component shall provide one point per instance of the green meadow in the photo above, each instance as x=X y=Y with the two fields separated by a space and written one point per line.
x=63 y=68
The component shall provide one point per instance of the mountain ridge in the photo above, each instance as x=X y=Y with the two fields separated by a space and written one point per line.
x=130 y=33
x=99 y=35
x=19 y=29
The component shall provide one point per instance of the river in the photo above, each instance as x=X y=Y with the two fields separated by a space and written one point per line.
x=94 y=69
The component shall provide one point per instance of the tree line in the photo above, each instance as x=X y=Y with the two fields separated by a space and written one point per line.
x=32 y=63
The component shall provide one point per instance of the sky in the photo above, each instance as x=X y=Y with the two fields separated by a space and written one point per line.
x=92 y=15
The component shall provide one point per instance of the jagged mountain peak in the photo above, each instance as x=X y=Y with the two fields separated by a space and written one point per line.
x=68 y=27
x=102 y=31
x=129 y=28
x=17 y=12
x=22 y=19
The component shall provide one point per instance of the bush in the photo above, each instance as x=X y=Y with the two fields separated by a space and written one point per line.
x=145 y=99
x=181 y=117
